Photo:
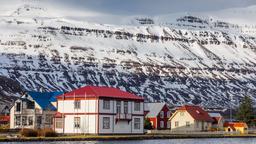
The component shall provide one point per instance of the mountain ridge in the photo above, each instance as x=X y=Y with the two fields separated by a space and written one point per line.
x=193 y=60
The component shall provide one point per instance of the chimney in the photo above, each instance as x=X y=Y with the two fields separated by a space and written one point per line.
x=41 y=89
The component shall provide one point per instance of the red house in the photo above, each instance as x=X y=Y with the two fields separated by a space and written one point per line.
x=158 y=114
x=4 y=119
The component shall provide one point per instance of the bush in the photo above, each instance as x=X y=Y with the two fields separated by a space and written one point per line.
x=29 y=133
x=147 y=124
x=49 y=133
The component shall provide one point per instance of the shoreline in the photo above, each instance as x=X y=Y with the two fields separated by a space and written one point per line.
x=121 y=137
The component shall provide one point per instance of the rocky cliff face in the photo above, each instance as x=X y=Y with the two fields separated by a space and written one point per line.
x=192 y=60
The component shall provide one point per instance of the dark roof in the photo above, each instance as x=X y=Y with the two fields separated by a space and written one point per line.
x=100 y=91
x=44 y=99
x=197 y=113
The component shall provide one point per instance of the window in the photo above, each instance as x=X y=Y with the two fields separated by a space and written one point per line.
x=161 y=124
x=18 y=106
x=106 y=104
x=77 y=104
x=17 y=118
x=39 y=120
x=162 y=114
x=168 y=114
x=48 y=119
x=24 y=120
x=30 y=105
x=76 y=122
x=30 y=120
x=176 y=124
x=59 y=123
x=106 y=122
x=126 y=107
x=187 y=124
x=136 y=123
x=137 y=106
x=181 y=113
x=168 y=124
x=118 y=106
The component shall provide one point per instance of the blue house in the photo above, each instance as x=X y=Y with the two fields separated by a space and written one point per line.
x=34 y=110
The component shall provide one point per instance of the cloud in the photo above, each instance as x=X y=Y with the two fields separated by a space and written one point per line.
x=133 y=7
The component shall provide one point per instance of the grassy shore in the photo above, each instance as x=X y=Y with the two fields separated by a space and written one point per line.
x=120 y=137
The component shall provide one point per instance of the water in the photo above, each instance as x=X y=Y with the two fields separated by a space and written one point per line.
x=161 y=141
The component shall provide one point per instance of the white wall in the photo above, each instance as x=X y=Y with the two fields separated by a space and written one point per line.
x=12 y=123
x=87 y=125
x=29 y=112
x=87 y=106
x=187 y=118
x=89 y=121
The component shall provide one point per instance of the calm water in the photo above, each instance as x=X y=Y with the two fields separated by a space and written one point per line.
x=171 y=141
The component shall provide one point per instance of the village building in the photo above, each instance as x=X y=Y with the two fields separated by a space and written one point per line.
x=190 y=118
x=218 y=121
x=240 y=127
x=5 y=110
x=158 y=114
x=34 y=110
x=99 y=110
x=4 y=120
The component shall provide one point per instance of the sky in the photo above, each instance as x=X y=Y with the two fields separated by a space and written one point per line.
x=115 y=11
x=139 y=7
x=156 y=7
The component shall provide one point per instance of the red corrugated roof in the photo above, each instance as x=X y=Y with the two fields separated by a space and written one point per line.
x=58 y=115
x=197 y=113
x=100 y=91
x=4 y=118
x=235 y=124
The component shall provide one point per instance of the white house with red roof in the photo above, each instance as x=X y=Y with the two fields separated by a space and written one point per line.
x=190 y=118
x=99 y=110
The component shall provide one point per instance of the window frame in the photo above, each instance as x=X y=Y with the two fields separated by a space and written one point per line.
x=106 y=123
x=77 y=122
x=106 y=104
x=136 y=106
x=161 y=114
x=30 y=104
x=137 y=123
x=30 y=120
x=24 y=120
x=39 y=120
x=49 y=119
x=18 y=120
x=18 y=109
x=77 y=104
x=187 y=124
x=176 y=123
x=59 y=123
x=118 y=107
x=168 y=114
x=161 y=124
x=126 y=107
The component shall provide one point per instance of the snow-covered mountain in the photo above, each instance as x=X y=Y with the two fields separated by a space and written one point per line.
x=187 y=58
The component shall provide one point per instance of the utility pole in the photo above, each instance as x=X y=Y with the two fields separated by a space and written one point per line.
x=230 y=96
